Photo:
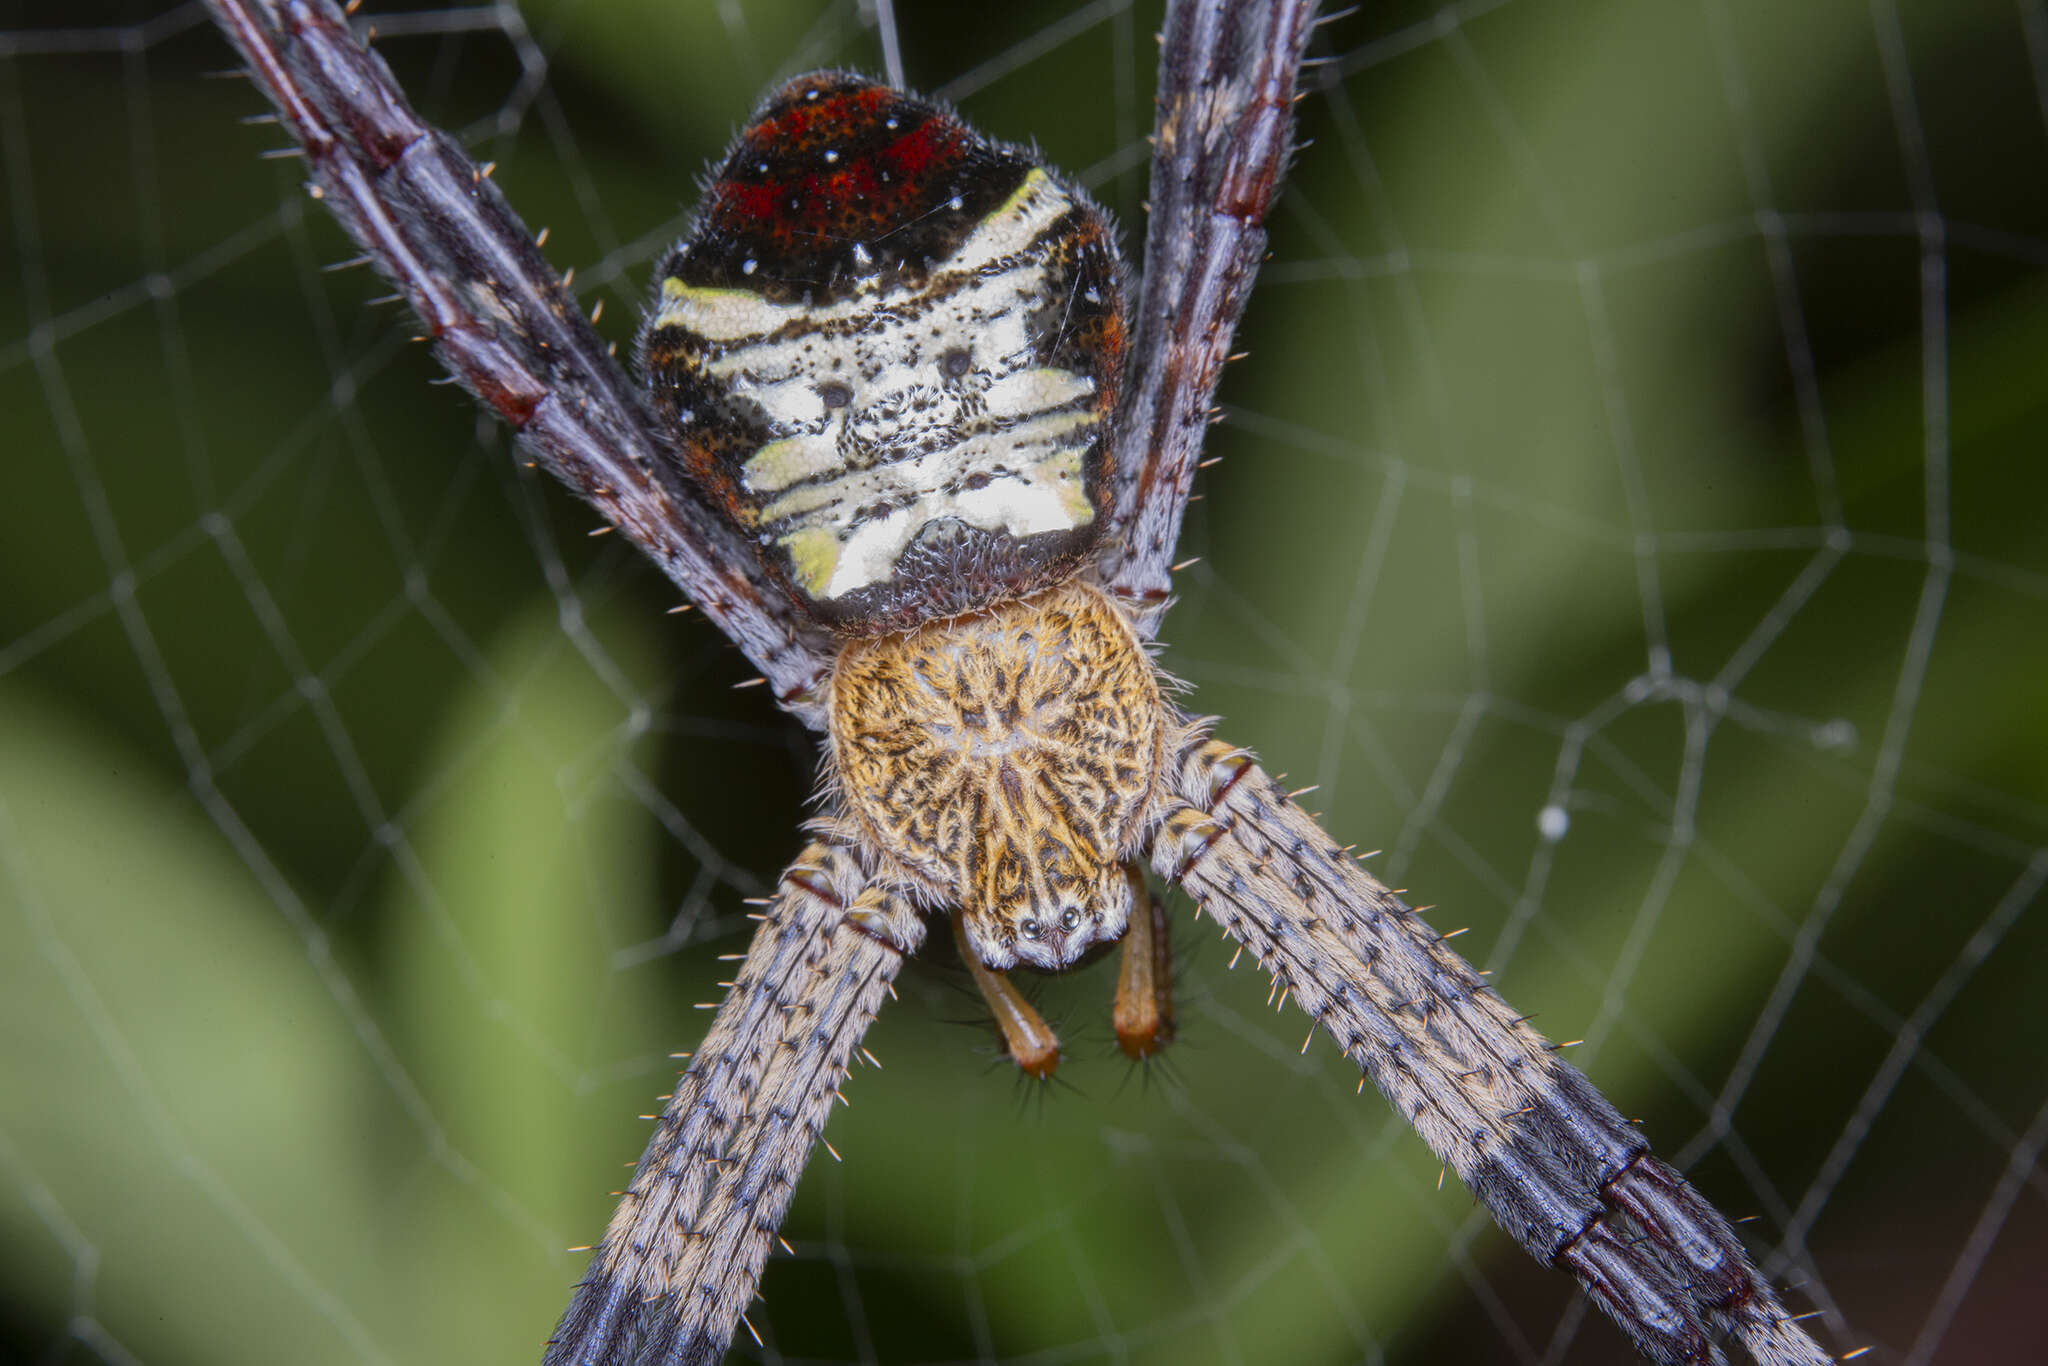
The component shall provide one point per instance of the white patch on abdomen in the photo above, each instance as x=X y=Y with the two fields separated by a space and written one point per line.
x=849 y=483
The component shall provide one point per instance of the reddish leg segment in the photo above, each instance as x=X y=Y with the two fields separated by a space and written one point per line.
x=1029 y=1040
x=1144 y=979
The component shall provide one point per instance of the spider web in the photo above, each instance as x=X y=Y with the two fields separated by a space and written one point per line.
x=1630 y=514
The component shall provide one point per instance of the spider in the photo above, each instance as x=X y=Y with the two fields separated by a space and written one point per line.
x=905 y=443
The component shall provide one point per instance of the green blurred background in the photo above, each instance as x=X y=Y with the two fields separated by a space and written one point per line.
x=1644 y=418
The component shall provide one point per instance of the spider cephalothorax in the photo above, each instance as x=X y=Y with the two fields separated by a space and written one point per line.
x=889 y=346
x=1006 y=761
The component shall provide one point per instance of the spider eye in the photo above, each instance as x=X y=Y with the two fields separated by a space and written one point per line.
x=1031 y=929
x=955 y=363
x=1070 y=919
x=833 y=394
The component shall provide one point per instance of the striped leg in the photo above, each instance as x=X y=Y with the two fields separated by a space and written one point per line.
x=1560 y=1170
x=1227 y=88
x=683 y=1254
x=503 y=322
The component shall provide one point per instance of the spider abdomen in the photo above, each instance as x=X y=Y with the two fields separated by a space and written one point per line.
x=890 y=347
x=1006 y=761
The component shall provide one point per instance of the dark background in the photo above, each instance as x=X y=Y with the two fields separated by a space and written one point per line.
x=1644 y=416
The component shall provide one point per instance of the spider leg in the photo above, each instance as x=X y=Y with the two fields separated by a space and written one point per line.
x=1559 y=1169
x=1029 y=1040
x=1225 y=130
x=683 y=1254
x=499 y=318
x=1143 y=1017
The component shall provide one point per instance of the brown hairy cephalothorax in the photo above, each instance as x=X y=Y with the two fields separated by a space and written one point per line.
x=1005 y=762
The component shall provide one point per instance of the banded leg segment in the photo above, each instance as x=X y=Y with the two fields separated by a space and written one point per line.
x=1559 y=1169
x=684 y=1252
x=502 y=322
x=1228 y=81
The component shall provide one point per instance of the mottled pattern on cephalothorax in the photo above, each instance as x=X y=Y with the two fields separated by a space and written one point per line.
x=890 y=347
x=1006 y=762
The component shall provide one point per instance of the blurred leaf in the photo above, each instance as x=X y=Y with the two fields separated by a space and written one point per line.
x=195 y=1144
